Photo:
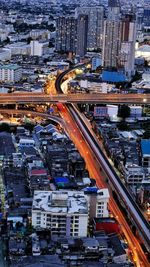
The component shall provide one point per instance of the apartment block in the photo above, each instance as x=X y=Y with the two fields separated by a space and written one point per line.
x=10 y=73
x=66 y=213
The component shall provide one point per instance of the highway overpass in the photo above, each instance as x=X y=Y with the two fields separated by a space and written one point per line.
x=125 y=196
x=97 y=98
x=32 y=114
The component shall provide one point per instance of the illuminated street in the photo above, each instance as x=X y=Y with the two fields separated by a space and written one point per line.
x=94 y=170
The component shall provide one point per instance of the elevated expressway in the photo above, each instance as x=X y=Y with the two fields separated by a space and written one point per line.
x=32 y=114
x=39 y=98
x=86 y=141
x=89 y=147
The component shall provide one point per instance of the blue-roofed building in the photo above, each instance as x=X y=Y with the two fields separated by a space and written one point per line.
x=61 y=180
x=38 y=128
x=113 y=76
x=1 y=216
x=90 y=190
x=65 y=183
x=50 y=128
x=145 y=148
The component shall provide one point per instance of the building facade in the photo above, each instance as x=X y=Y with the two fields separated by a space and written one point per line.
x=66 y=34
x=10 y=73
x=39 y=48
x=68 y=212
x=111 y=44
x=19 y=48
x=95 y=25
x=128 y=38
x=112 y=36
x=82 y=28
x=119 y=40
x=64 y=213
x=5 y=54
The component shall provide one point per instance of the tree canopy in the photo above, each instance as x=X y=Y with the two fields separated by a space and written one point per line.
x=124 y=111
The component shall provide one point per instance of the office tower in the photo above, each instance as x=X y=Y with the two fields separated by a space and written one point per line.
x=82 y=27
x=128 y=38
x=95 y=25
x=112 y=33
x=66 y=34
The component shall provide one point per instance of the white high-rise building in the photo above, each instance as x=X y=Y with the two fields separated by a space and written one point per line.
x=67 y=212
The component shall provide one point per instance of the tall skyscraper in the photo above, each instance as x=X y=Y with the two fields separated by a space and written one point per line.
x=71 y=34
x=119 y=39
x=95 y=25
x=82 y=27
x=66 y=34
x=140 y=22
x=128 y=38
x=112 y=32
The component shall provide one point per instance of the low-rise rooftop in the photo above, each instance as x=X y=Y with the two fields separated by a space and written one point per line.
x=64 y=202
x=10 y=67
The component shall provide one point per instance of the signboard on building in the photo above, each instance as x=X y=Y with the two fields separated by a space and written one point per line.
x=100 y=111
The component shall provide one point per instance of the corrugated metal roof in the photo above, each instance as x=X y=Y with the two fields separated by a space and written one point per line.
x=145 y=146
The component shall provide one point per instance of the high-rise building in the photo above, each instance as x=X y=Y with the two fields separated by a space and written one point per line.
x=113 y=9
x=119 y=39
x=140 y=23
x=146 y=17
x=95 y=25
x=66 y=34
x=111 y=38
x=82 y=27
x=128 y=38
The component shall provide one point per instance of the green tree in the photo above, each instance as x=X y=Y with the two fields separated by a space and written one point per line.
x=124 y=111
x=147 y=134
x=29 y=126
x=136 y=77
x=4 y=127
x=29 y=39
x=146 y=128
x=123 y=126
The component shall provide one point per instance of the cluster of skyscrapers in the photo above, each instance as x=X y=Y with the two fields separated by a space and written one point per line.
x=81 y=32
x=110 y=31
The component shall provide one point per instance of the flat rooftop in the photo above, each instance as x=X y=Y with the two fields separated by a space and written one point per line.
x=60 y=202
x=10 y=67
